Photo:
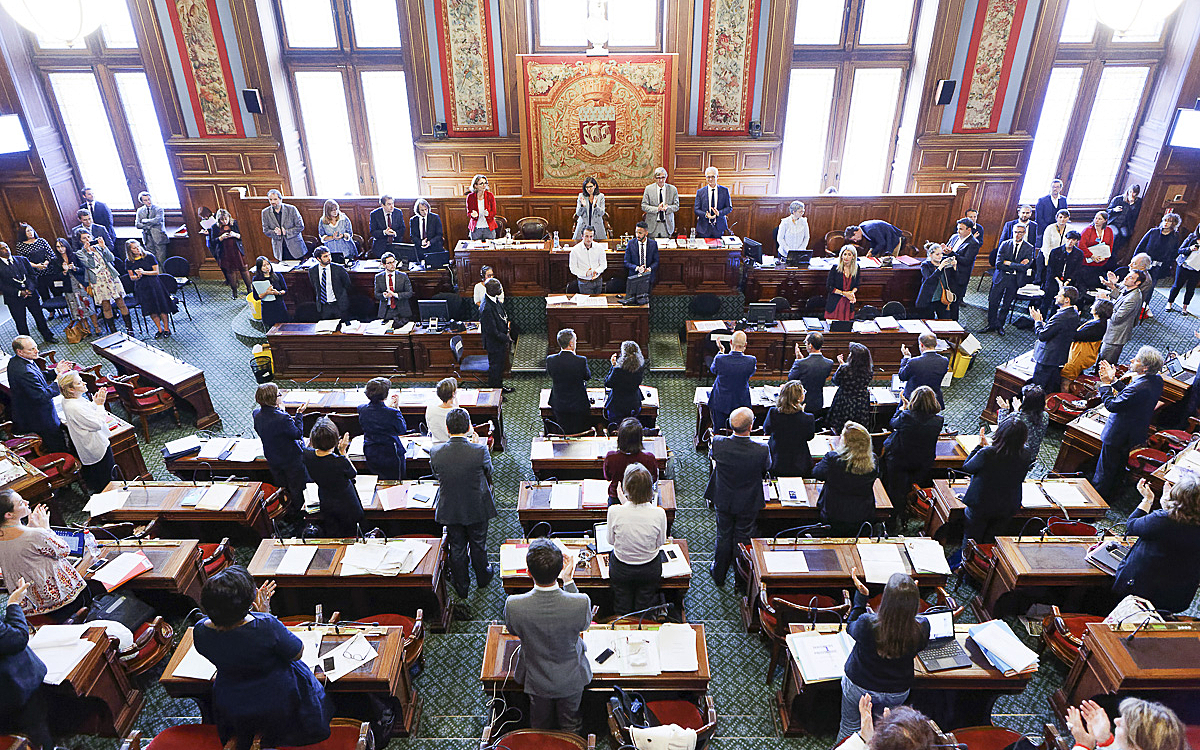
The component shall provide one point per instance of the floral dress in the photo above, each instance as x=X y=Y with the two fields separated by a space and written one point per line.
x=102 y=275
x=40 y=557
x=852 y=402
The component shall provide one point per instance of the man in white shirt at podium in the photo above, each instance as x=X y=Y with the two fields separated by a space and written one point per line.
x=588 y=263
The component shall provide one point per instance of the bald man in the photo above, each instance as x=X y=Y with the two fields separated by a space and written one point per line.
x=735 y=488
x=731 y=389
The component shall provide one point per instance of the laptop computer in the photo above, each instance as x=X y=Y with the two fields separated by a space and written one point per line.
x=944 y=651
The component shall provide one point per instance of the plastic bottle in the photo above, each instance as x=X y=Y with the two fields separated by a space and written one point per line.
x=556 y=244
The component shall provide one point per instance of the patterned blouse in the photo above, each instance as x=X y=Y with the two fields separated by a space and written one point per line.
x=40 y=557
x=1036 y=426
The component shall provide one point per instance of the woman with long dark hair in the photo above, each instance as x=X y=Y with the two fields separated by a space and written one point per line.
x=624 y=383
x=589 y=210
x=997 y=468
x=852 y=402
x=274 y=309
x=34 y=249
x=225 y=244
x=67 y=266
x=1030 y=408
x=911 y=448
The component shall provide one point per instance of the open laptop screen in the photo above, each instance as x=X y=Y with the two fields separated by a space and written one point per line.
x=941 y=625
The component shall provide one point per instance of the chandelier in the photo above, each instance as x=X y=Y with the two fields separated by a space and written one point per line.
x=1123 y=15
x=63 y=21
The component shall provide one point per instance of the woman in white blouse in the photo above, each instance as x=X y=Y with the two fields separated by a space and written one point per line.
x=485 y=273
x=792 y=235
x=1056 y=234
x=87 y=423
x=435 y=413
x=637 y=530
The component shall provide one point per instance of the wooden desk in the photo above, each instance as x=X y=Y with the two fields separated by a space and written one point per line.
x=32 y=485
x=177 y=566
x=884 y=345
x=883 y=405
x=356 y=596
x=583 y=458
x=127 y=452
x=385 y=676
x=165 y=501
x=96 y=697
x=681 y=270
x=946 y=519
x=775 y=517
x=648 y=416
x=1080 y=444
x=876 y=285
x=157 y=368
x=766 y=346
x=533 y=507
x=300 y=353
x=523 y=268
x=1031 y=569
x=425 y=283
x=599 y=330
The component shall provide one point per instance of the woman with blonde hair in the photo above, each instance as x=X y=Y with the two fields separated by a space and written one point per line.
x=335 y=231
x=87 y=423
x=849 y=473
x=790 y=428
x=481 y=210
x=225 y=244
x=842 y=285
x=1141 y=725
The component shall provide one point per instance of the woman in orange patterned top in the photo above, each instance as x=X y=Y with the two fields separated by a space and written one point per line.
x=35 y=553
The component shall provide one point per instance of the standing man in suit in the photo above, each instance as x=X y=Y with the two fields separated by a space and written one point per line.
x=282 y=437
x=812 y=370
x=977 y=230
x=927 y=369
x=660 y=201
x=569 y=375
x=1013 y=261
x=878 y=236
x=552 y=665
x=87 y=223
x=1124 y=317
x=588 y=262
x=964 y=248
x=1048 y=206
x=331 y=286
x=464 y=503
x=641 y=254
x=712 y=206
x=493 y=329
x=33 y=397
x=100 y=213
x=735 y=488
x=425 y=229
x=21 y=295
x=1130 y=411
x=1024 y=218
x=393 y=290
x=283 y=223
x=152 y=220
x=731 y=388
x=386 y=226
x=1054 y=339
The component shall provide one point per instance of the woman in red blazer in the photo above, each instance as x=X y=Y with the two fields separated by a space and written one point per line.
x=1099 y=232
x=481 y=208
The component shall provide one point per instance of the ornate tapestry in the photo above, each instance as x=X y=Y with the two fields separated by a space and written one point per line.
x=206 y=67
x=468 y=81
x=612 y=117
x=727 y=62
x=989 y=64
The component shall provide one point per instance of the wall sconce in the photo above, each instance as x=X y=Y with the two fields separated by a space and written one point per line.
x=439 y=131
x=755 y=129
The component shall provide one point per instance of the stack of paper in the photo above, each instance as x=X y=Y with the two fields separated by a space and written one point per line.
x=785 y=561
x=217 y=496
x=792 y=492
x=122 y=568
x=104 y=502
x=312 y=500
x=1065 y=494
x=1033 y=497
x=407 y=328
x=246 y=450
x=793 y=326
x=880 y=560
x=512 y=559
x=708 y=326
x=1186 y=463
x=564 y=496
x=676 y=564
x=394 y=497
x=557 y=299
x=396 y=557
x=595 y=493
x=887 y=323
x=820 y=656
x=968 y=442
x=1003 y=649
x=927 y=556
x=296 y=559
x=182 y=446
x=61 y=648
x=365 y=485
x=325 y=326
x=212 y=449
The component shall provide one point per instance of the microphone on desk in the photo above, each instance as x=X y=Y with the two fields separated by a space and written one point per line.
x=797 y=531
x=1148 y=617
x=536 y=526
x=358 y=534
x=210 y=472
x=116 y=540
x=1026 y=526
x=118 y=472
x=658 y=610
x=314 y=377
x=870 y=530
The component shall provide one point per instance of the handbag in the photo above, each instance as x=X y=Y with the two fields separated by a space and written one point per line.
x=74 y=333
x=947 y=295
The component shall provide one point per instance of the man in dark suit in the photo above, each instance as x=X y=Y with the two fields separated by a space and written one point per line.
x=1130 y=411
x=393 y=290
x=712 y=205
x=569 y=375
x=386 y=226
x=1013 y=261
x=282 y=437
x=331 y=286
x=87 y=223
x=964 y=248
x=494 y=330
x=425 y=229
x=1033 y=230
x=32 y=396
x=977 y=230
x=812 y=371
x=1054 y=339
x=879 y=237
x=464 y=502
x=552 y=665
x=22 y=700
x=641 y=254
x=731 y=388
x=1048 y=206
x=927 y=369
x=20 y=294
x=100 y=213
x=735 y=488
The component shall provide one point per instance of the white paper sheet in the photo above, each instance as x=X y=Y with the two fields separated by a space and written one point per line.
x=785 y=561
x=213 y=448
x=247 y=450
x=1032 y=497
x=879 y=561
x=707 y=326
x=311 y=656
x=217 y=496
x=349 y=656
x=557 y=299
x=296 y=560
x=595 y=493
x=788 y=485
x=365 y=485
x=326 y=326
x=119 y=567
x=359 y=558
x=312 y=499
x=927 y=556
x=820 y=656
x=467 y=397
x=1066 y=494
x=104 y=502
x=355 y=449
x=677 y=648
x=512 y=559
x=421 y=495
x=564 y=496
x=53 y=636
x=61 y=659
x=182 y=445
x=675 y=566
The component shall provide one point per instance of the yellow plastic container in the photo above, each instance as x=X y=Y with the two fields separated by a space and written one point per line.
x=255 y=307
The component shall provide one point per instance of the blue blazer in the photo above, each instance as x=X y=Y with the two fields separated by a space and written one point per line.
x=569 y=374
x=812 y=372
x=631 y=257
x=731 y=389
x=433 y=232
x=282 y=435
x=925 y=369
x=704 y=227
x=1162 y=566
x=1131 y=410
x=882 y=238
x=382 y=425
x=995 y=488
x=32 y=397
x=1055 y=336
x=1046 y=209
x=21 y=671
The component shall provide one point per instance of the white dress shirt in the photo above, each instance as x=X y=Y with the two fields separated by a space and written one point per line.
x=636 y=531
x=88 y=425
x=583 y=258
x=325 y=273
x=481 y=292
x=793 y=234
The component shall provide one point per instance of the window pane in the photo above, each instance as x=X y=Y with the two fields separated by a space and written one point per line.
x=885 y=21
x=91 y=137
x=1107 y=134
x=45 y=43
x=309 y=23
x=806 y=131
x=633 y=23
x=869 y=132
x=388 y=123
x=819 y=21
x=134 y=90
x=1143 y=30
x=1079 y=25
x=117 y=26
x=562 y=23
x=1061 y=92
x=375 y=23
x=331 y=156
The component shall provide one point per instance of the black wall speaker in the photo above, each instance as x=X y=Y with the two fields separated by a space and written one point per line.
x=944 y=93
x=252 y=101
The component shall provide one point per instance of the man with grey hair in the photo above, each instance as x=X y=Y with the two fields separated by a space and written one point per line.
x=712 y=206
x=660 y=201
x=1139 y=262
x=792 y=235
x=735 y=488
x=1130 y=410
x=569 y=374
x=283 y=224
x=32 y=395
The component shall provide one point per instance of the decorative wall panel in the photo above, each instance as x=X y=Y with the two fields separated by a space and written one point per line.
x=728 y=52
x=206 y=68
x=464 y=29
x=989 y=64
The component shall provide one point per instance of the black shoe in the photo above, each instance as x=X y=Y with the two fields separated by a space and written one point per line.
x=49 y=339
x=713 y=572
x=989 y=329
x=508 y=389
x=158 y=334
x=462 y=594
x=482 y=583
x=999 y=331
x=166 y=334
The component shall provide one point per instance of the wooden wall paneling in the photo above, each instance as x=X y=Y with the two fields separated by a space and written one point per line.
x=513 y=38
x=677 y=35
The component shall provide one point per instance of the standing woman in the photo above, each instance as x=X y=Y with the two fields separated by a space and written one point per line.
x=1085 y=349
x=792 y=234
x=1187 y=271
x=69 y=267
x=100 y=273
x=637 y=530
x=589 y=210
x=328 y=468
x=282 y=437
x=997 y=468
x=1030 y=408
x=481 y=209
x=852 y=402
x=847 y=497
x=911 y=448
x=335 y=231
x=143 y=269
x=274 y=309
x=35 y=553
x=630 y=450
x=225 y=244
x=34 y=249
x=480 y=290
x=1163 y=566
x=790 y=428
x=1123 y=211
x=935 y=280
x=624 y=383
x=87 y=423
x=382 y=427
x=842 y=285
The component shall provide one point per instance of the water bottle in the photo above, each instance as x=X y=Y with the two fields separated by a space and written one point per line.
x=507 y=236
x=90 y=545
x=692 y=238
x=556 y=245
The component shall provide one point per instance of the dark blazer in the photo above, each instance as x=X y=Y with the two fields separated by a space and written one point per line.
x=493 y=326
x=731 y=388
x=845 y=498
x=14 y=277
x=1131 y=409
x=788 y=444
x=553 y=661
x=101 y=214
x=1033 y=230
x=912 y=443
x=624 y=397
x=926 y=369
x=382 y=426
x=21 y=671
x=1046 y=209
x=930 y=277
x=1008 y=260
x=704 y=227
x=404 y=291
x=433 y=232
x=812 y=372
x=1160 y=247
x=995 y=488
x=740 y=465
x=1062 y=264
x=569 y=374
x=214 y=244
x=1162 y=566
x=1055 y=336
x=632 y=253
x=836 y=280
x=1092 y=330
x=32 y=397
x=966 y=253
x=464 y=472
x=339 y=280
x=881 y=237
x=282 y=435
x=376 y=223
x=98 y=230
